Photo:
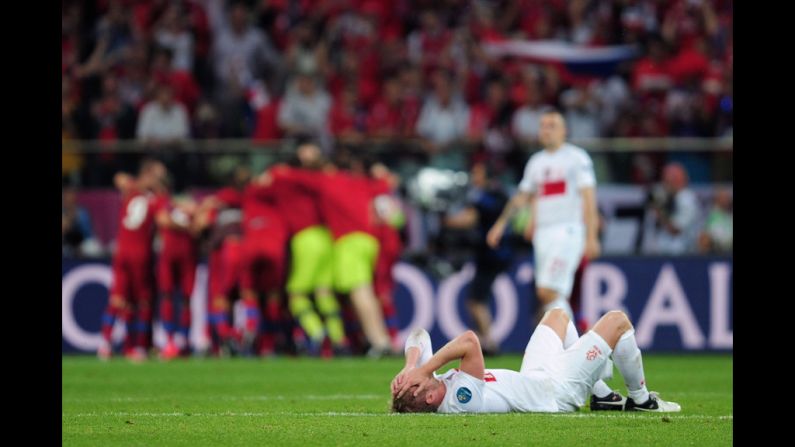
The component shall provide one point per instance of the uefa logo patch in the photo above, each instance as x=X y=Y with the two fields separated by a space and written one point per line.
x=464 y=395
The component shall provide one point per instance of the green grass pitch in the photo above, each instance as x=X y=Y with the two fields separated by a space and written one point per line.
x=289 y=401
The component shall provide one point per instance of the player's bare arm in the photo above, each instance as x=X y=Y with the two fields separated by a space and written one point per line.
x=417 y=348
x=465 y=347
x=518 y=200
x=591 y=217
x=412 y=357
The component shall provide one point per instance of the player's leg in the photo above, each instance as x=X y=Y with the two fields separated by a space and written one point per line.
x=384 y=284
x=303 y=265
x=575 y=299
x=354 y=261
x=602 y=396
x=546 y=341
x=325 y=300
x=558 y=251
x=142 y=291
x=232 y=257
x=116 y=308
x=420 y=338
x=616 y=330
x=219 y=306
x=266 y=286
x=165 y=285
x=188 y=280
x=249 y=296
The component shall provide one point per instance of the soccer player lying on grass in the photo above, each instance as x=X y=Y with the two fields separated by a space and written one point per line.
x=558 y=371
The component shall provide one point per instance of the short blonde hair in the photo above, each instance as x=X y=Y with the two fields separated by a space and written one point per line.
x=409 y=403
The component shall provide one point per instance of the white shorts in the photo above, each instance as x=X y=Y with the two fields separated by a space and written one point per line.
x=574 y=370
x=558 y=251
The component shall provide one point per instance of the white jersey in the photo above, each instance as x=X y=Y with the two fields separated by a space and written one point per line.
x=556 y=179
x=500 y=391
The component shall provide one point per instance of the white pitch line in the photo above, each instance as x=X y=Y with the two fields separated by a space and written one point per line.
x=235 y=398
x=359 y=414
x=640 y=415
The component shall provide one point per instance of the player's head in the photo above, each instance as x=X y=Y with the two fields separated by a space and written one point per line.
x=361 y=163
x=380 y=171
x=240 y=177
x=151 y=173
x=552 y=129
x=409 y=403
x=309 y=154
x=427 y=401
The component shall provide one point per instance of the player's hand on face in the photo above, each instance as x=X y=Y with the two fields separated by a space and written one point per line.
x=400 y=378
x=414 y=377
x=424 y=384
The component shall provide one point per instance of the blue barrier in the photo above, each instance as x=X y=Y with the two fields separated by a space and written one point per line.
x=676 y=304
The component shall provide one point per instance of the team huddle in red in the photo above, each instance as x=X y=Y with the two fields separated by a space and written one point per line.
x=308 y=229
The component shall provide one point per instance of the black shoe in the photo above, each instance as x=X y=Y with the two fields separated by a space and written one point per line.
x=653 y=404
x=612 y=402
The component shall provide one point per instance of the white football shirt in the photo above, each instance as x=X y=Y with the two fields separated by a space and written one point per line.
x=500 y=391
x=556 y=179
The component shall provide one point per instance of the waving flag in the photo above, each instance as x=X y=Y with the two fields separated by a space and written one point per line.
x=574 y=61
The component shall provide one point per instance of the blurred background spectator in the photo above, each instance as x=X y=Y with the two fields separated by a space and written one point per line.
x=77 y=236
x=164 y=121
x=718 y=230
x=673 y=213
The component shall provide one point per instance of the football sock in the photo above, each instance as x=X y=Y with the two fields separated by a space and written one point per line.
x=142 y=325
x=302 y=310
x=252 y=314
x=330 y=309
x=390 y=316
x=167 y=315
x=185 y=319
x=627 y=358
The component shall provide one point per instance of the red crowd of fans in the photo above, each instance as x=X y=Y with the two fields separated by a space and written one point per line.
x=358 y=68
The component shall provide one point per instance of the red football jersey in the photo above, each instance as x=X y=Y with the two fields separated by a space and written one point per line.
x=297 y=204
x=262 y=224
x=175 y=240
x=136 y=223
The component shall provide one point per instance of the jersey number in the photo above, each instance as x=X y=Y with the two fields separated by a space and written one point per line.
x=136 y=213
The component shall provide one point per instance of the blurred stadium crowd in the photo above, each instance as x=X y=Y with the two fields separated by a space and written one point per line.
x=165 y=71
x=408 y=84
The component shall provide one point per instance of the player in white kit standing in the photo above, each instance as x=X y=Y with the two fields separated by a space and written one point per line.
x=559 y=184
x=558 y=369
